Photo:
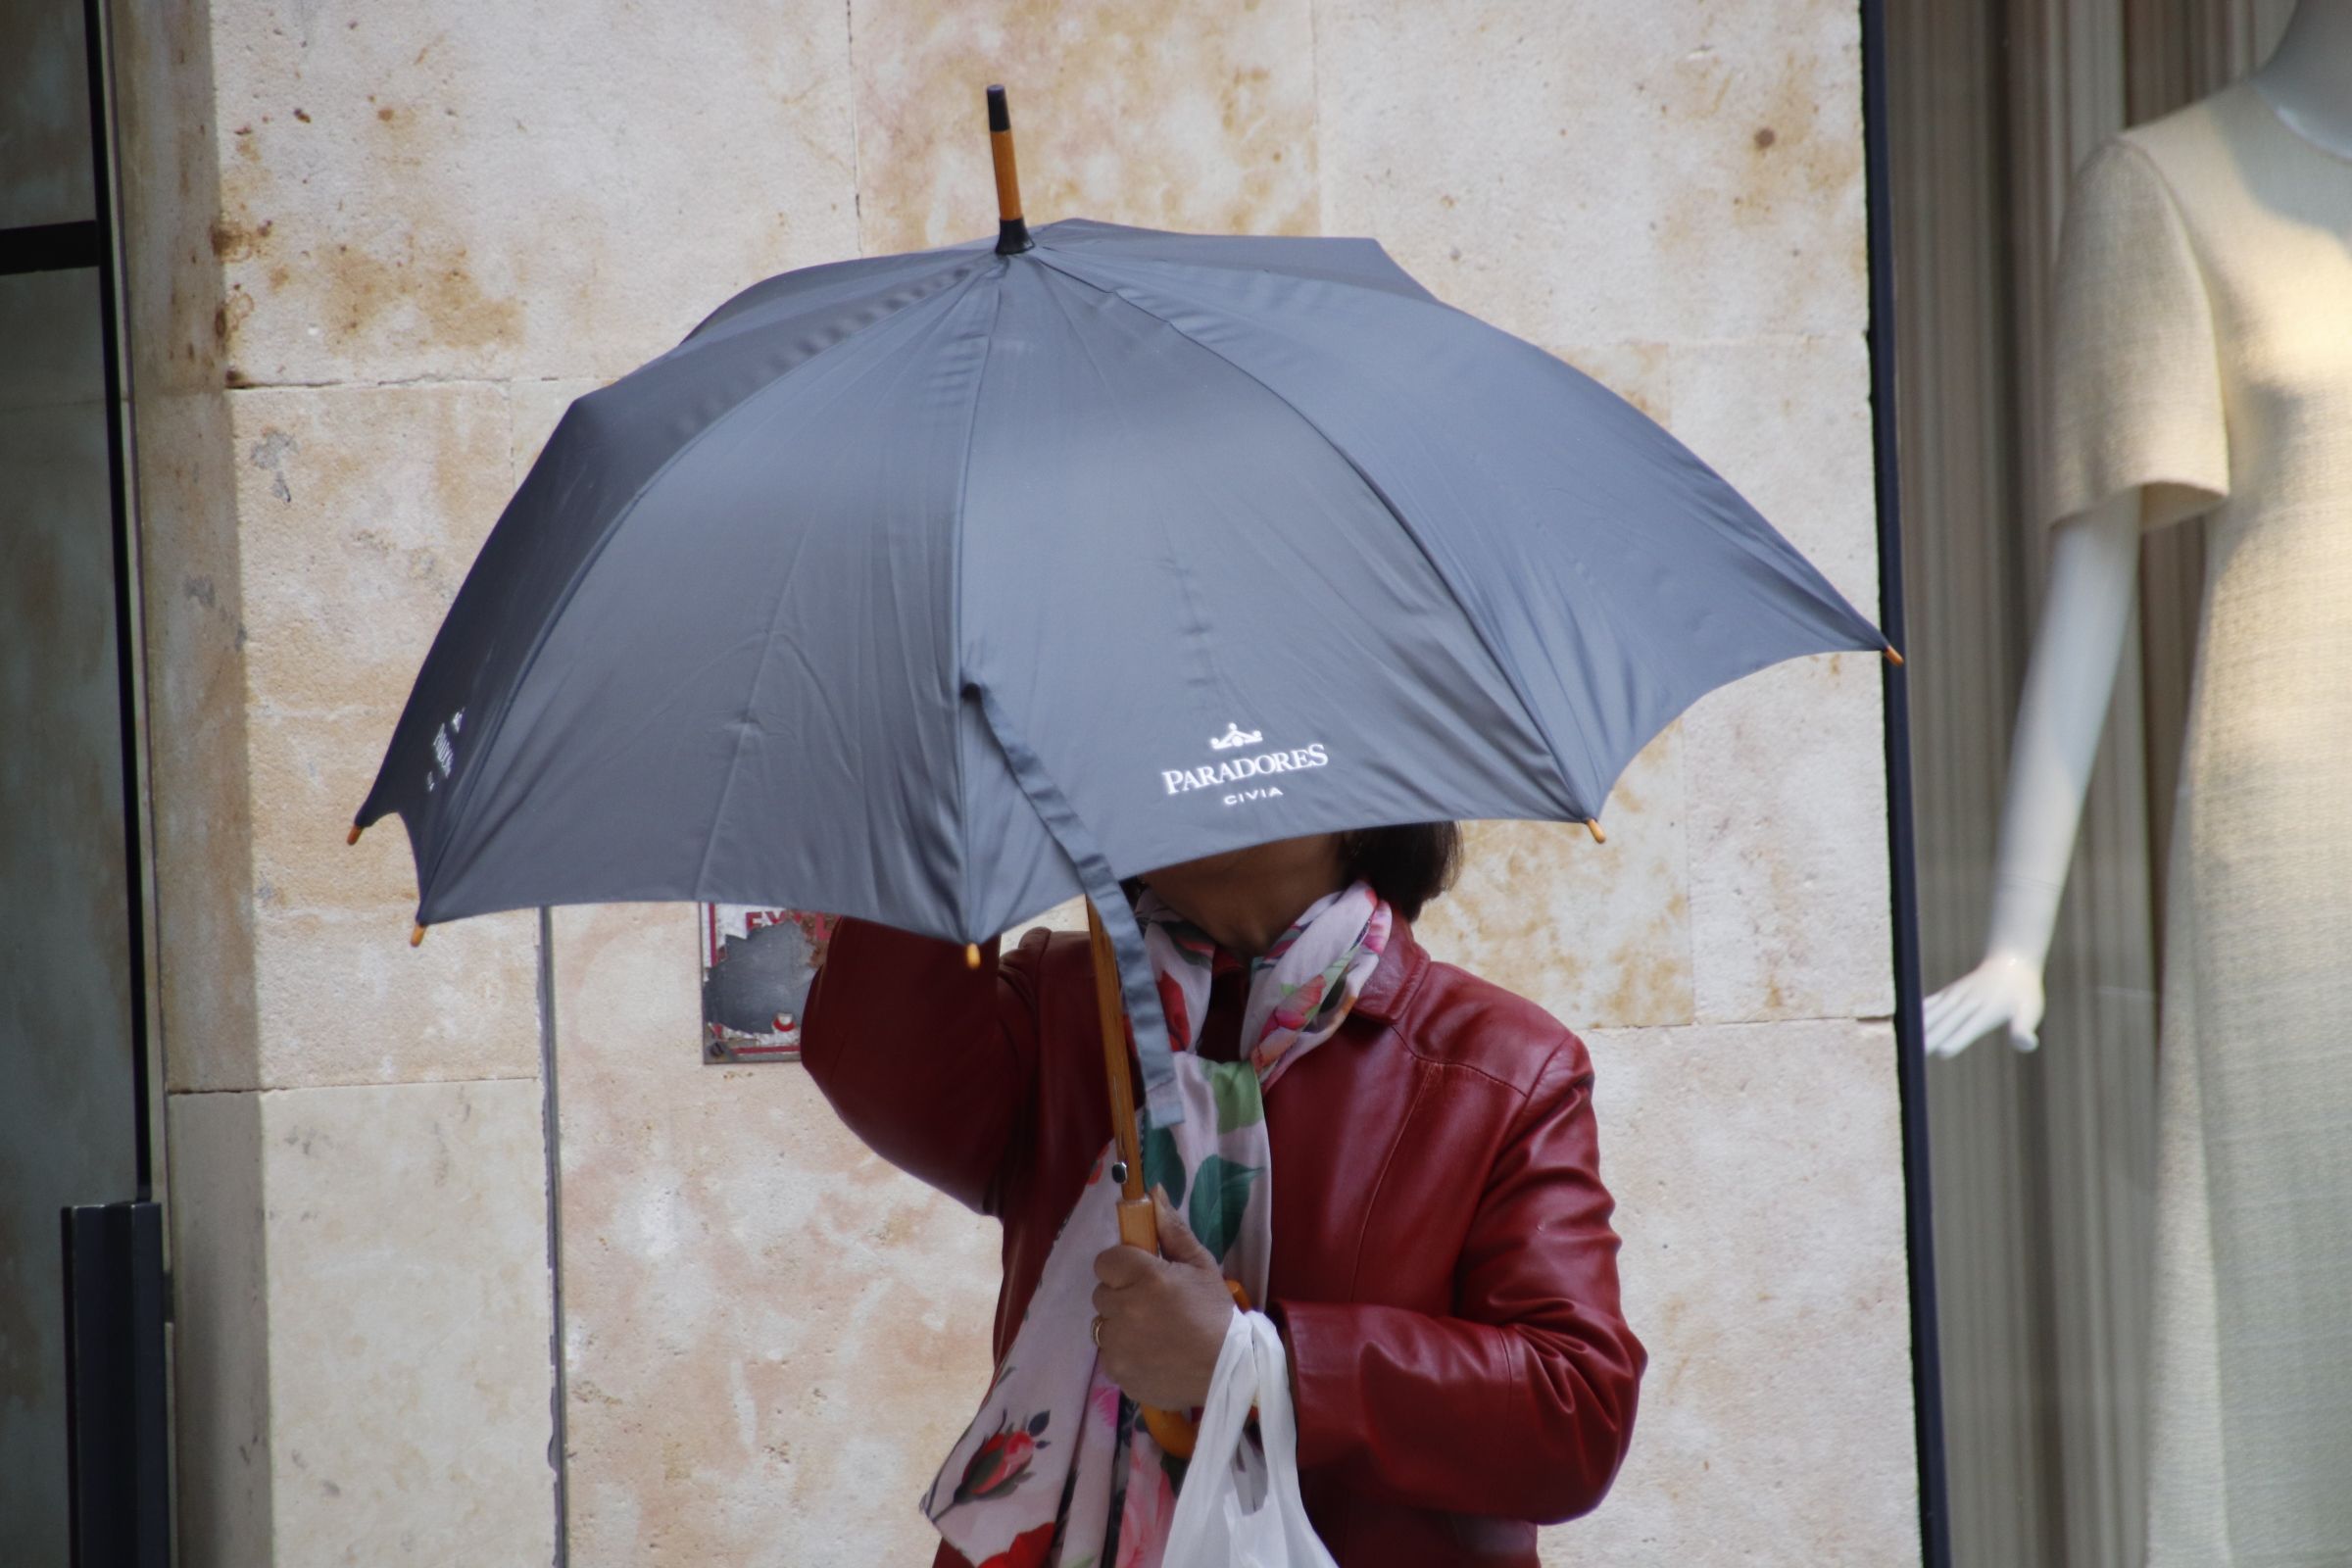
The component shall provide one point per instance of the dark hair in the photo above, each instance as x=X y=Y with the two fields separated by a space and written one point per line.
x=1408 y=865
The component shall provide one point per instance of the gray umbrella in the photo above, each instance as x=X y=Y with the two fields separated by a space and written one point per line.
x=937 y=588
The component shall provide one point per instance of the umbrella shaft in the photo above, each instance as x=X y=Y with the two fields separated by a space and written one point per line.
x=1112 y=1015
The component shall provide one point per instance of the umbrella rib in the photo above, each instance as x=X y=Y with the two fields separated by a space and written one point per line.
x=1100 y=884
x=963 y=469
x=733 y=313
x=1205 y=250
x=495 y=730
x=726 y=792
x=1485 y=637
x=1768 y=547
x=1173 y=561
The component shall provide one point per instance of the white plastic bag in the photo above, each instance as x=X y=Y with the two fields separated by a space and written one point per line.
x=1237 y=1510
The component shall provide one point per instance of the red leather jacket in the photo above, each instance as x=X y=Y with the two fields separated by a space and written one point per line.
x=1443 y=1270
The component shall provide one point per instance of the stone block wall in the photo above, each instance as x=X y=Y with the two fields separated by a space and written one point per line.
x=376 y=251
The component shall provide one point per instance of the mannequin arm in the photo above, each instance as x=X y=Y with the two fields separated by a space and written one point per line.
x=2095 y=570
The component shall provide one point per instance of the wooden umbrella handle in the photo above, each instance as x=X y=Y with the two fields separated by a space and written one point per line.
x=1137 y=1225
x=1138 y=1221
x=1175 y=1432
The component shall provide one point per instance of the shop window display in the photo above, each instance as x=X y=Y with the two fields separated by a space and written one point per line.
x=2200 y=366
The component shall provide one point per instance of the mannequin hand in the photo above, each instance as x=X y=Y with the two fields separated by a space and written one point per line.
x=2006 y=989
x=1164 y=1320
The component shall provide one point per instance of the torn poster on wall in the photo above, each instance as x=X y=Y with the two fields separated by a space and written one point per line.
x=756 y=966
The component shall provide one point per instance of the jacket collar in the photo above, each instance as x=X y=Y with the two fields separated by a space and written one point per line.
x=1390 y=987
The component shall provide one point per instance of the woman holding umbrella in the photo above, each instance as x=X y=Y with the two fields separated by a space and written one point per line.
x=1440 y=1262
x=768 y=623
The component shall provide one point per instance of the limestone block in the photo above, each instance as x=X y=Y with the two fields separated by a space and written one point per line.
x=1197 y=117
x=199 y=787
x=1788 y=880
x=418 y=1434
x=771 y=1337
x=1787 y=768
x=360 y=511
x=365 y=1335
x=1593 y=171
x=1758 y=1177
x=547 y=188
x=1598 y=934
x=1786 y=421
x=341 y=998
x=219 y=1329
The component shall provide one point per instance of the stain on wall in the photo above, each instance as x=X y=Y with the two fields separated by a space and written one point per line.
x=533 y=189
x=1197 y=115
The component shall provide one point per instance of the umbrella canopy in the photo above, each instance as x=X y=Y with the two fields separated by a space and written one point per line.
x=937 y=588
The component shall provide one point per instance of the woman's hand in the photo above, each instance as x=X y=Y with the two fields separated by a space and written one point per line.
x=1164 y=1320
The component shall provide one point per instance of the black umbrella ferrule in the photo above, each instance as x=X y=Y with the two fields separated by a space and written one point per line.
x=1012 y=237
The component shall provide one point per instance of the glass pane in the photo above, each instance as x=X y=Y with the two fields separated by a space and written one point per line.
x=65 y=1108
x=44 y=114
x=2136 y=1353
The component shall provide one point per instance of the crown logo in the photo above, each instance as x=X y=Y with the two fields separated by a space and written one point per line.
x=1234 y=736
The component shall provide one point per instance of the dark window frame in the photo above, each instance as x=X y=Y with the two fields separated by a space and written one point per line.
x=1911 y=1074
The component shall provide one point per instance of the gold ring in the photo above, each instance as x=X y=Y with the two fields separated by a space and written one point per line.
x=1098 y=1333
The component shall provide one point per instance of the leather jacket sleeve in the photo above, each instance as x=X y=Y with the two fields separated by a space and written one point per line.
x=927 y=1059
x=1521 y=1403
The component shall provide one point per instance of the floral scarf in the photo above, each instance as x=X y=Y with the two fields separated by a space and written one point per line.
x=1055 y=1469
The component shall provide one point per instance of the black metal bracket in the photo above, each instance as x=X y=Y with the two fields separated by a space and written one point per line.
x=49 y=247
x=116 y=1400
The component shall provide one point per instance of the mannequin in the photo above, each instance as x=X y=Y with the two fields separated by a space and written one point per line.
x=2094 y=564
x=2205 y=365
